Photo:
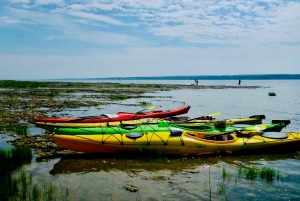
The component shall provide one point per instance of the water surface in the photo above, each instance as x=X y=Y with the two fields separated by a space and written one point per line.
x=189 y=178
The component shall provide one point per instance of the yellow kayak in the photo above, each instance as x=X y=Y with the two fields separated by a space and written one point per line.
x=178 y=143
x=257 y=119
x=50 y=125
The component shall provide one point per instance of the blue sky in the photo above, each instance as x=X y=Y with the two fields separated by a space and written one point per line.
x=42 y=39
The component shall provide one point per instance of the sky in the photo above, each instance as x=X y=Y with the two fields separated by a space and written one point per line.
x=45 y=39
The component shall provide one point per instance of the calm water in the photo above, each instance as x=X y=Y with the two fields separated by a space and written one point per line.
x=99 y=178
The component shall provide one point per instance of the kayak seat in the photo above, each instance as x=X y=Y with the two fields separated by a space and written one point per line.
x=128 y=126
x=274 y=135
x=134 y=135
x=175 y=133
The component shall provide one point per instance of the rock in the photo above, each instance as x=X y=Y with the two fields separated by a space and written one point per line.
x=131 y=188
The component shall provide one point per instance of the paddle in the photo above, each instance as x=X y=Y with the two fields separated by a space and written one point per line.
x=149 y=108
x=210 y=115
x=190 y=120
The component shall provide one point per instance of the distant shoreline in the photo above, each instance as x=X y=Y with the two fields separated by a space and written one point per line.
x=201 y=77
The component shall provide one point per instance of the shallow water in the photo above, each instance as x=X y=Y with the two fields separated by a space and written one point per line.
x=191 y=178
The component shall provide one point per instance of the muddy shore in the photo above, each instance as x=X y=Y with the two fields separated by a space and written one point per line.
x=21 y=101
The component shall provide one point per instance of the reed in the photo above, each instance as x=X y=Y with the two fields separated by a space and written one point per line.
x=11 y=160
x=264 y=173
x=36 y=193
x=21 y=130
x=226 y=175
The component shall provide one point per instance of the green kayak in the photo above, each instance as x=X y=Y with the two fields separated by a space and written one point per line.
x=160 y=127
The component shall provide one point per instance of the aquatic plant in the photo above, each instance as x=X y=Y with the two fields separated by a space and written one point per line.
x=53 y=93
x=20 y=130
x=70 y=91
x=225 y=174
x=36 y=193
x=272 y=93
x=264 y=173
x=144 y=103
x=268 y=174
x=12 y=159
x=118 y=97
x=21 y=187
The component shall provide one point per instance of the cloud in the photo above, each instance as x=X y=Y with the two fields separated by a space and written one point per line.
x=19 y=1
x=9 y=20
x=47 y=2
x=90 y=16
x=153 y=62
x=161 y=36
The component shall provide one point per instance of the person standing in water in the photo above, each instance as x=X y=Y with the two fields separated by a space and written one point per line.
x=239 y=82
x=196 y=82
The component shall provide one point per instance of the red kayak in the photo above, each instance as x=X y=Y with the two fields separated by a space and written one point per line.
x=120 y=116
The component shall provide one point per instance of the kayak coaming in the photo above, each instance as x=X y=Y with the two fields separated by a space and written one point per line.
x=187 y=143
